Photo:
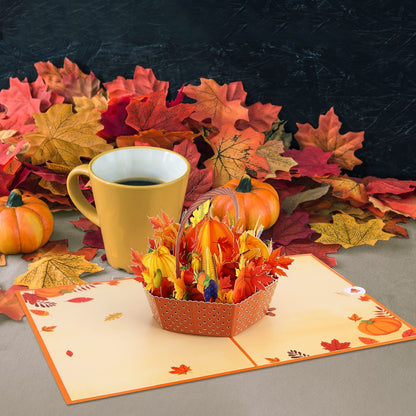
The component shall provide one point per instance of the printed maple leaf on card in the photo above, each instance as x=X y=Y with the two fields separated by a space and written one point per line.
x=63 y=137
x=144 y=82
x=335 y=345
x=345 y=230
x=57 y=270
x=329 y=139
x=68 y=81
x=152 y=113
x=235 y=154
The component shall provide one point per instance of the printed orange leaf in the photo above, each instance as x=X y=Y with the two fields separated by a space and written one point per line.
x=367 y=341
x=409 y=333
x=335 y=345
x=354 y=317
x=152 y=113
x=63 y=137
x=273 y=360
x=212 y=102
x=80 y=300
x=144 y=82
x=235 y=154
x=48 y=328
x=345 y=188
x=9 y=304
x=113 y=316
x=156 y=138
x=58 y=270
x=345 y=230
x=271 y=151
x=39 y=312
x=182 y=369
x=68 y=81
x=329 y=139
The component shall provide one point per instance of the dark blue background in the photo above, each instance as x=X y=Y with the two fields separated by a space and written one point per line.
x=307 y=56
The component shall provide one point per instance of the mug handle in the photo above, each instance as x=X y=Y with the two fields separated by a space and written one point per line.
x=76 y=194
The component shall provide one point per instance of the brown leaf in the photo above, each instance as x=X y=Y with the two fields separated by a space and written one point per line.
x=271 y=152
x=58 y=270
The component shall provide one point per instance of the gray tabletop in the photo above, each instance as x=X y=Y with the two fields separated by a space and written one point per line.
x=375 y=381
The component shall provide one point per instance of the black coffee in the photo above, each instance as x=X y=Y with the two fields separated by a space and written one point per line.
x=139 y=181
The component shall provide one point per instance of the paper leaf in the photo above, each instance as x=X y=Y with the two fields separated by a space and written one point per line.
x=290 y=227
x=235 y=154
x=57 y=270
x=335 y=345
x=271 y=152
x=346 y=231
x=388 y=186
x=152 y=113
x=345 y=188
x=329 y=139
x=113 y=316
x=212 y=103
x=63 y=137
x=156 y=138
x=291 y=202
x=200 y=180
x=144 y=82
x=9 y=304
x=312 y=161
x=68 y=81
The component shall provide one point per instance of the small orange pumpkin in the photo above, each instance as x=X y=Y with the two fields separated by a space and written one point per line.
x=382 y=325
x=26 y=223
x=258 y=203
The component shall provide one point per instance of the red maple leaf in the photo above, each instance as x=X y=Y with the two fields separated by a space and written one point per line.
x=387 y=186
x=200 y=180
x=85 y=224
x=335 y=345
x=311 y=161
x=144 y=82
x=80 y=300
x=114 y=120
x=9 y=304
x=329 y=139
x=182 y=369
x=152 y=113
x=405 y=205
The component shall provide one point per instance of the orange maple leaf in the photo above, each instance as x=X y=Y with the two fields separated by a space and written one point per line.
x=156 y=138
x=144 y=82
x=212 y=102
x=182 y=369
x=235 y=154
x=152 y=113
x=68 y=81
x=9 y=304
x=367 y=341
x=273 y=360
x=354 y=317
x=345 y=188
x=329 y=139
x=48 y=328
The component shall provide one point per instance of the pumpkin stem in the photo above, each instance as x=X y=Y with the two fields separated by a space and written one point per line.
x=15 y=199
x=367 y=321
x=245 y=185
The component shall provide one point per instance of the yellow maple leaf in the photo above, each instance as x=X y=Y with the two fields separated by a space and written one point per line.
x=58 y=270
x=98 y=102
x=113 y=316
x=63 y=137
x=345 y=230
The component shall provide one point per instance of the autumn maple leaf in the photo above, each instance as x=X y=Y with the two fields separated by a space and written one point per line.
x=212 y=103
x=57 y=270
x=63 y=137
x=329 y=139
x=182 y=369
x=152 y=113
x=345 y=230
x=335 y=345
x=9 y=304
x=388 y=186
x=68 y=81
x=235 y=154
x=144 y=82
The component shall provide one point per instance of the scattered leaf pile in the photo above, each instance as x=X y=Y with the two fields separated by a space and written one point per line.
x=65 y=117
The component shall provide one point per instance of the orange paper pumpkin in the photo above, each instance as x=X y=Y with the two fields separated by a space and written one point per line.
x=258 y=202
x=382 y=325
x=26 y=223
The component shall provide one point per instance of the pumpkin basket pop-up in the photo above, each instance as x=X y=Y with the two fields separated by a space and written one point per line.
x=205 y=276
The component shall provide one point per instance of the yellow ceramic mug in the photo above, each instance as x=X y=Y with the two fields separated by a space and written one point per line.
x=123 y=210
